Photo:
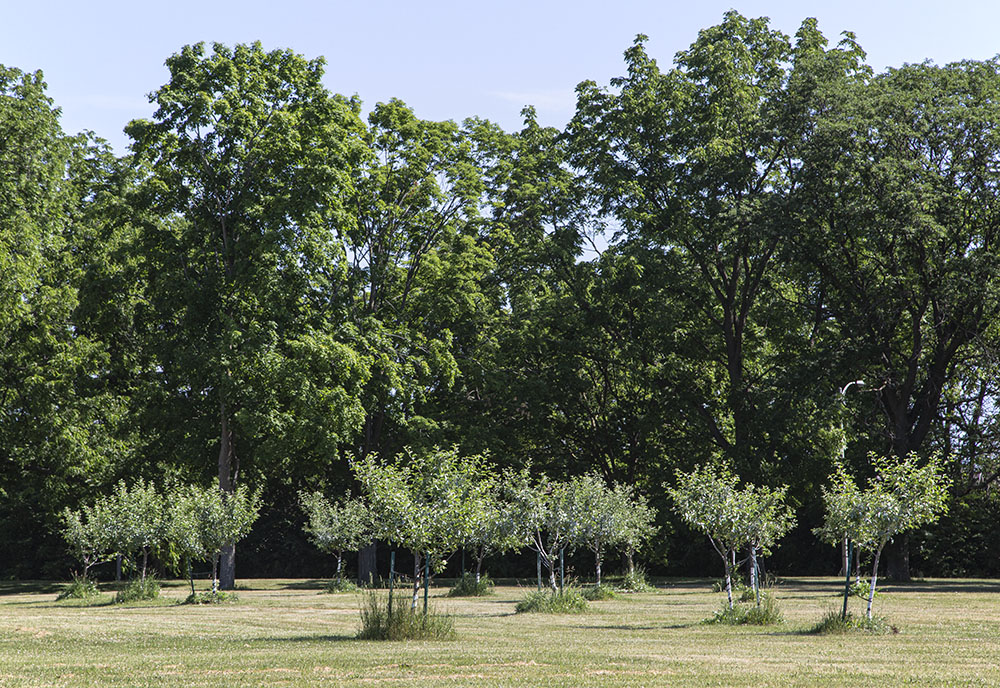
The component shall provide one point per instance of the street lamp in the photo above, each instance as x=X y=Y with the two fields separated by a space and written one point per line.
x=846 y=550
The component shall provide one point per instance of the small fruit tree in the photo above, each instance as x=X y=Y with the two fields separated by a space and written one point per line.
x=708 y=500
x=905 y=494
x=336 y=527
x=207 y=519
x=427 y=502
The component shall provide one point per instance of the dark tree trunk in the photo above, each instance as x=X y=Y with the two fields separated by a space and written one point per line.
x=897 y=559
x=367 y=565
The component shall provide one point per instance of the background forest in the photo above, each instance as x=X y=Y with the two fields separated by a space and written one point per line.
x=764 y=255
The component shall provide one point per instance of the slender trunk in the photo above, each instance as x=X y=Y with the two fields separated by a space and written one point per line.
x=729 y=579
x=340 y=559
x=190 y=575
x=871 y=588
x=479 y=565
x=598 y=568
x=145 y=560
x=630 y=561
x=845 y=559
x=754 y=582
x=118 y=568
x=416 y=579
x=215 y=571
x=552 y=575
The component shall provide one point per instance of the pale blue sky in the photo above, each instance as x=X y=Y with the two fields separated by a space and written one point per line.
x=449 y=60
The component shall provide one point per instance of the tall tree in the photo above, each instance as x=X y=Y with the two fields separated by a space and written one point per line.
x=900 y=208
x=696 y=165
x=249 y=158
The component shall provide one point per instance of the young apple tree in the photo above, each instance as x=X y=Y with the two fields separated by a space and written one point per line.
x=427 y=502
x=547 y=516
x=764 y=519
x=88 y=532
x=903 y=495
x=336 y=527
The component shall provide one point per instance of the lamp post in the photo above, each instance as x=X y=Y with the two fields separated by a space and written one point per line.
x=843 y=449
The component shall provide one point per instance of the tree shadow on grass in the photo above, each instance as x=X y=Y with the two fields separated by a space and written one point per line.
x=29 y=587
x=628 y=627
x=306 y=639
x=310 y=584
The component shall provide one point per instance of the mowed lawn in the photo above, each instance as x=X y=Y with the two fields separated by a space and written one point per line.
x=284 y=633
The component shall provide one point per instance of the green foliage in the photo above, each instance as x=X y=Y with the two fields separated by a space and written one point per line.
x=336 y=527
x=401 y=621
x=428 y=502
x=204 y=520
x=212 y=597
x=569 y=600
x=81 y=588
x=138 y=590
x=468 y=586
x=833 y=623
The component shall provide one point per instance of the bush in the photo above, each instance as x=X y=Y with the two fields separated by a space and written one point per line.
x=138 y=590
x=466 y=586
x=746 y=613
x=212 y=597
x=635 y=581
x=335 y=586
x=598 y=593
x=80 y=589
x=401 y=622
x=833 y=624
x=566 y=601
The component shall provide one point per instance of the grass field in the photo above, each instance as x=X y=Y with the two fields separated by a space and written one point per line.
x=284 y=633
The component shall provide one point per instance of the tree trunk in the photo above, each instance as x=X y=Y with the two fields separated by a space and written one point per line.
x=754 y=582
x=215 y=571
x=552 y=575
x=479 y=566
x=228 y=475
x=871 y=588
x=416 y=579
x=897 y=559
x=598 y=569
x=729 y=579
x=367 y=564
x=118 y=569
x=630 y=562
x=340 y=560
x=845 y=561
x=145 y=560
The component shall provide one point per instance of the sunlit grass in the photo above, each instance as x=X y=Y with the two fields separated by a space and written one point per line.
x=282 y=633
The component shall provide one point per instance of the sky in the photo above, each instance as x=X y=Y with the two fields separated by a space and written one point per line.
x=447 y=60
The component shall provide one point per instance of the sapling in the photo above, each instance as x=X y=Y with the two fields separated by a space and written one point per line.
x=336 y=527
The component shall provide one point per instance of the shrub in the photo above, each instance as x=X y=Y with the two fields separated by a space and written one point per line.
x=833 y=624
x=566 y=601
x=767 y=613
x=598 y=593
x=401 y=621
x=338 y=586
x=467 y=586
x=138 y=590
x=635 y=581
x=81 y=588
x=211 y=597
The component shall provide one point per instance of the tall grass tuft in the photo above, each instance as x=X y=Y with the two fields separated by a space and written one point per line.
x=767 y=613
x=80 y=589
x=565 y=601
x=833 y=624
x=138 y=590
x=336 y=586
x=597 y=593
x=401 y=621
x=635 y=581
x=468 y=586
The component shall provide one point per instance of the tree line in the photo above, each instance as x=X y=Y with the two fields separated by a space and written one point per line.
x=270 y=287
